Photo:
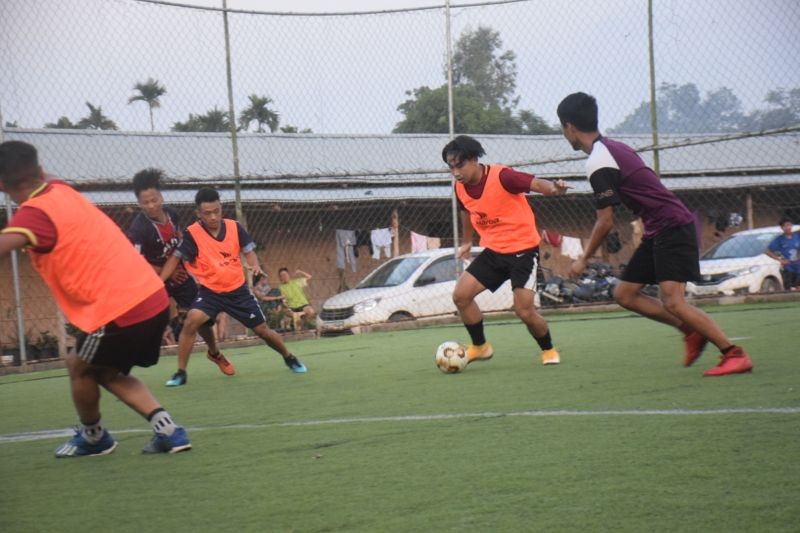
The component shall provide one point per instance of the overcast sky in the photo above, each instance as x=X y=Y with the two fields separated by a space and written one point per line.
x=349 y=74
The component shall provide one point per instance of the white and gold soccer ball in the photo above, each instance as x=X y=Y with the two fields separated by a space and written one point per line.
x=451 y=357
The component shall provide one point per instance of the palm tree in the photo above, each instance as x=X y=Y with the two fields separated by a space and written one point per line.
x=96 y=120
x=258 y=111
x=214 y=120
x=63 y=123
x=149 y=92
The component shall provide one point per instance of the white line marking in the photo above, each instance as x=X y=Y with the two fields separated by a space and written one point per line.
x=60 y=433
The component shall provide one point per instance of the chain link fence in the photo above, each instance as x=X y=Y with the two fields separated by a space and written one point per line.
x=329 y=130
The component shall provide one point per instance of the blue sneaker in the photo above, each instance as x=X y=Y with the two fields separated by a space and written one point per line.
x=78 y=446
x=177 y=442
x=178 y=378
x=294 y=365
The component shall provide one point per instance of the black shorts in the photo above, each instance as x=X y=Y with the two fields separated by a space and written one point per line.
x=240 y=304
x=492 y=269
x=672 y=255
x=184 y=294
x=124 y=347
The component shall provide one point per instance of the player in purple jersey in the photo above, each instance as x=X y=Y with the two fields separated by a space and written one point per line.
x=668 y=254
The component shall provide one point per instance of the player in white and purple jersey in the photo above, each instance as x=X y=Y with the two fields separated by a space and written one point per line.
x=668 y=254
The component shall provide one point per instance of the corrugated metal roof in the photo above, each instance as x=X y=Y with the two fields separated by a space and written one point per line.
x=108 y=156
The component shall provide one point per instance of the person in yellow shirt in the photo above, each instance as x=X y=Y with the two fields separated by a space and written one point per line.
x=293 y=290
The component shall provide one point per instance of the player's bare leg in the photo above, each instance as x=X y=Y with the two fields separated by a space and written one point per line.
x=467 y=288
x=275 y=341
x=536 y=324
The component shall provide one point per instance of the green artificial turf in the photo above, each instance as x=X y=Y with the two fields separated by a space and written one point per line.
x=619 y=437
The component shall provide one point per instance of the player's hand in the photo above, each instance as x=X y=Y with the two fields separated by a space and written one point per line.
x=577 y=268
x=561 y=187
x=464 y=251
x=179 y=275
x=255 y=269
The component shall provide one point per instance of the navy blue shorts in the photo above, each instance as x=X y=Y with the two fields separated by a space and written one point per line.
x=184 y=293
x=672 y=255
x=240 y=304
x=492 y=269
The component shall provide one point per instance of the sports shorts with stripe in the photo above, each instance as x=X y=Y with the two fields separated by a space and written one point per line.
x=124 y=347
x=492 y=269
x=240 y=304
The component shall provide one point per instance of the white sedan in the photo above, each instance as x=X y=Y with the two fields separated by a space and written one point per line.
x=406 y=287
x=738 y=265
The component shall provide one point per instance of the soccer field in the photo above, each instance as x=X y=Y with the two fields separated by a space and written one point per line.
x=619 y=437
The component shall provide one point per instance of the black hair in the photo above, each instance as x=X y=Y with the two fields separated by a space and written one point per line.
x=580 y=110
x=257 y=278
x=19 y=162
x=204 y=195
x=281 y=269
x=784 y=220
x=149 y=178
x=463 y=148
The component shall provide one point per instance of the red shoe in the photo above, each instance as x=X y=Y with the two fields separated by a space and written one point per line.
x=225 y=366
x=735 y=361
x=695 y=343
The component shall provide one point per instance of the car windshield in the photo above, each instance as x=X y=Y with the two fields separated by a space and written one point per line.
x=392 y=273
x=737 y=246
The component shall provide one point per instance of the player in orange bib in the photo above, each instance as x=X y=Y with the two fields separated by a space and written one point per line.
x=211 y=250
x=492 y=202
x=105 y=289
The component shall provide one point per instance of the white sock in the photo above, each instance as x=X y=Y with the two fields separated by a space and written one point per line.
x=92 y=432
x=161 y=422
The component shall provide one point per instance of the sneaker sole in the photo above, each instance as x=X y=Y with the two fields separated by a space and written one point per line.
x=107 y=451
x=178 y=449
x=484 y=358
x=729 y=373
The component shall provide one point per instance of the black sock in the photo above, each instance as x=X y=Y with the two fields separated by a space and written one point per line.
x=476 y=333
x=545 y=342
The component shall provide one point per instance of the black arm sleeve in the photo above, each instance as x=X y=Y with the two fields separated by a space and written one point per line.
x=605 y=184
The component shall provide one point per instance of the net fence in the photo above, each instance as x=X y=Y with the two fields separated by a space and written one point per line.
x=340 y=121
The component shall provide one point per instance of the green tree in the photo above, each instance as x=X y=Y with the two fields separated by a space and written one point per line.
x=477 y=61
x=681 y=109
x=293 y=129
x=484 y=81
x=783 y=109
x=149 y=92
x=96 y=120
x=215 y=120
x=259 y=112
x=63 y=123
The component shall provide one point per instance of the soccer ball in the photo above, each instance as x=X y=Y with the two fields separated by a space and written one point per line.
x=451 y=357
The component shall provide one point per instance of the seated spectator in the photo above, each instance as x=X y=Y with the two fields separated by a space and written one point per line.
x=273 y=304
x=293 y=289
x=786 y=249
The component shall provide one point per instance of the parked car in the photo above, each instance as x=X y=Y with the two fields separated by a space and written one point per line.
x=406 y=287
x=738 y=265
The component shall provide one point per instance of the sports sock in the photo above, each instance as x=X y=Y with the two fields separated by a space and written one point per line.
x=545 y=342
x=685 y=329
x=728 y=349
x=476 y=333
x=161 y=422
x=92 y=432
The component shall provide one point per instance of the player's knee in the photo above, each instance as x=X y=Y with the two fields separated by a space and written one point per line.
x=461 y=300
x=623 y=297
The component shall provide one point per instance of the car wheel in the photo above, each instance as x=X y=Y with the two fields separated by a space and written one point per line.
x=400 y=316
x=770 y=285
